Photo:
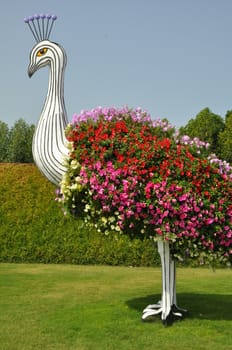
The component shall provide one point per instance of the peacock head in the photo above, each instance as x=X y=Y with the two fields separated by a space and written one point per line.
x=46 y=53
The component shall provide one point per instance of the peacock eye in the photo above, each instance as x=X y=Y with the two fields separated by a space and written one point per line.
x=42 y=51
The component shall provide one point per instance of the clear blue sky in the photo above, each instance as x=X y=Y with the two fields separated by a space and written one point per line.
x=171 y=57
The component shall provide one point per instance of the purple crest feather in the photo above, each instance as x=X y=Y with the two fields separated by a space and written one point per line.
x=40 y=25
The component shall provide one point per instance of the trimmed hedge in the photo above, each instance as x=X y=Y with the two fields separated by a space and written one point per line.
x=34 y=229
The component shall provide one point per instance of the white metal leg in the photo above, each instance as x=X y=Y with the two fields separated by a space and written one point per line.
x=167 y=307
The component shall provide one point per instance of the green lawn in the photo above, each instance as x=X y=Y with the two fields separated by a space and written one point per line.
x=99 y=308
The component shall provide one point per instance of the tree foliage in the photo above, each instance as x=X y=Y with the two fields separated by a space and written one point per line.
x=4 y=141
x=225 y=139
x=16 y=143
x=206 y=126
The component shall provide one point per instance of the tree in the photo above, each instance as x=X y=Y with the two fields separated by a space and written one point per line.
x=225 y=139
x=20 y=142
x=4 y=141
x=206 y=126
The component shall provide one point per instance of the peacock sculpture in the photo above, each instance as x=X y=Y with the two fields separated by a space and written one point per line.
x=48 y=146
x=177 y=210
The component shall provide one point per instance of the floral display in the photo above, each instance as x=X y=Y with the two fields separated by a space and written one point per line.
x=131 y=175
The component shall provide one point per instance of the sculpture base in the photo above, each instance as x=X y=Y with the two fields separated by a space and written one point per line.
x=167 y=307
x=153 y=310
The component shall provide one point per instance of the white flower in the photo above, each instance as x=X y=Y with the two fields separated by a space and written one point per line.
x=104 y=220
x=75 y=164
x=78 y=179
x=111 y=219
x=73 y=187
x=87 y=208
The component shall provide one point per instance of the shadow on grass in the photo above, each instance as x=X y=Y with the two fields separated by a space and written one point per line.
x=199 y=306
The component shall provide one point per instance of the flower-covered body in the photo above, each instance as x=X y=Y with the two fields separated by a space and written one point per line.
x=129 y=174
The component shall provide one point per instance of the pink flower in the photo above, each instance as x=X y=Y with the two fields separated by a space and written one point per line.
x=209 y=221
x=183 y=197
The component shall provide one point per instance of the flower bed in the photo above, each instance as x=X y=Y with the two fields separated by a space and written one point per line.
x=131 y=175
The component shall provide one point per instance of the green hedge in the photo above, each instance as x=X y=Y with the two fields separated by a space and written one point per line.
x=34 y=229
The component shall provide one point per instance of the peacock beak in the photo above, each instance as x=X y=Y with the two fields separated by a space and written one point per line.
x=31 y=70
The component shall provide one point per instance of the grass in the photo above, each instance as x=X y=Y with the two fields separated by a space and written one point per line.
x=67 y=307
